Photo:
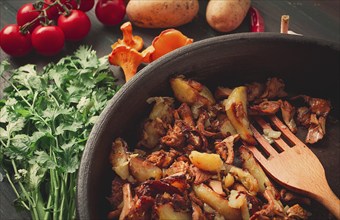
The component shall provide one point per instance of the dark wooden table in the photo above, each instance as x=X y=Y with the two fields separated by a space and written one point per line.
x=316 y=18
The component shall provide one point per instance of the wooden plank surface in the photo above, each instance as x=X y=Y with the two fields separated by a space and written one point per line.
x=316 y=18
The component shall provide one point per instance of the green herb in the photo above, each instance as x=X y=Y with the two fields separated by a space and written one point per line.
x=45 y=120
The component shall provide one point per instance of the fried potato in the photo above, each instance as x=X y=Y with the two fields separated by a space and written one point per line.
x=191 y=92
x=250 y=163
x=119 y=158
x=236 y=109
x=155 y=126
x=206 y=161
x=246 y=179
x=166 y=211
x=217 y=202
x=143 y=170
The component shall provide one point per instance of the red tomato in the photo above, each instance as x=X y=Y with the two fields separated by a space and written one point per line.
x=71 y=4
x=13 y=42
x=48 y=40
x=75 y=26
x=110 y=12
x=26 y=14
x=54 y=12
x=86 y=5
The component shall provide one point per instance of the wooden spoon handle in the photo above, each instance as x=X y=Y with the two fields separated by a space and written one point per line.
x=330 y=201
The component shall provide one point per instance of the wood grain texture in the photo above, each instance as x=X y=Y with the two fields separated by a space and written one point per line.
x=296 y=168
x=316 y=18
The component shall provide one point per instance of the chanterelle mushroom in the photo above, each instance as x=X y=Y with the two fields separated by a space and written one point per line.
x=125 y=52
x=127 y=58
x=135 y=42
x=167 y=41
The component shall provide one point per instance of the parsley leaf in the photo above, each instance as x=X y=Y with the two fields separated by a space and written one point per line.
x=45 y=118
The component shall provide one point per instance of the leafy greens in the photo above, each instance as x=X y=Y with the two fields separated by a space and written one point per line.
x=45 y=120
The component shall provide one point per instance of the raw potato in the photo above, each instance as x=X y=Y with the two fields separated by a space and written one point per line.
x=226 y=15
x=161 y=13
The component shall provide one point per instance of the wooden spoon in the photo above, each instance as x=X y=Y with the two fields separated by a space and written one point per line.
x=294 y=166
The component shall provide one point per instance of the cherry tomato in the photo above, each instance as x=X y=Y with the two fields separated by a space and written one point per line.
x=70 y=4
x=86 y=5
x=75 y=26
x=26 y=14
x=54 y=11
x=48 y=40
x=13 y=42
x=110 y=12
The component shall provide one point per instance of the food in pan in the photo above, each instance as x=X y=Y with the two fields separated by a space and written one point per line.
x=191 y=160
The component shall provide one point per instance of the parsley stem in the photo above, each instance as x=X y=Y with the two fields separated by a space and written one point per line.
x=56 y=197
x=7 y=144
x=54 y=98
x=63 y=193
x=56 y=188
x=74 y=65
x=34 y=98
x=72 y=215
x=39 y=203
x=28 y=197
x=16 y=172
x=18 y=91
x=16 y=191
x=47 y=214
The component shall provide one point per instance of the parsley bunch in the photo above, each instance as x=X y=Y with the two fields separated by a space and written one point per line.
x=45 y=120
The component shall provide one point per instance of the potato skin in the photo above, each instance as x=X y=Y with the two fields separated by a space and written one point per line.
x=161 y=14
x=226 y=15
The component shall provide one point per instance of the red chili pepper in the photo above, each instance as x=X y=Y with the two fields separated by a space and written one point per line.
x=256 y=20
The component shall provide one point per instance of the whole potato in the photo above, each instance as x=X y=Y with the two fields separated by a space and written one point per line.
x=161 y=13
x=226 y=15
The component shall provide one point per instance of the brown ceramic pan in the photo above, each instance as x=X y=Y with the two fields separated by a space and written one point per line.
x=307 y=65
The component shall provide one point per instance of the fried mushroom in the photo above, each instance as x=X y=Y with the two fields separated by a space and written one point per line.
x=297 y=212
x=225 y=148
x=288 y=112
x=158 y=121
x=316 y=130
x=274 y=88
x=265 y=108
